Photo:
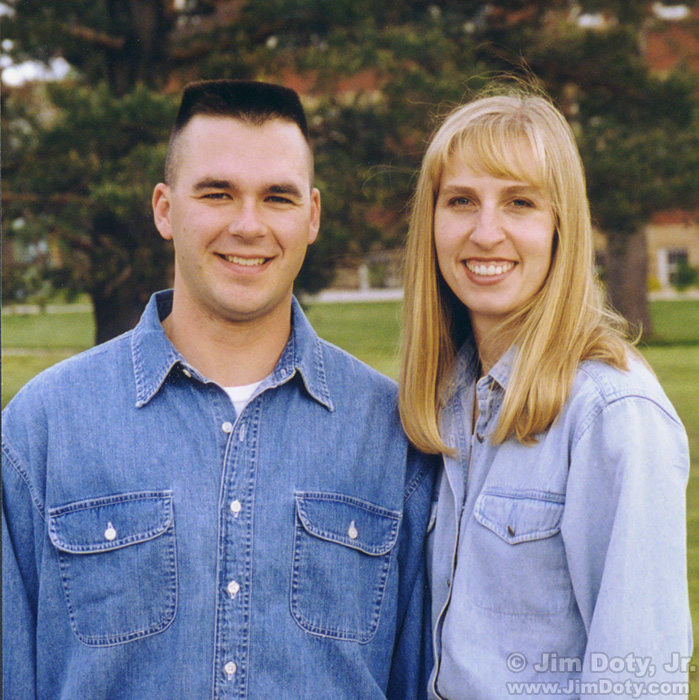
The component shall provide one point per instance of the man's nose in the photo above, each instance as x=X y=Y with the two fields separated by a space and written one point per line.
x=247 y=221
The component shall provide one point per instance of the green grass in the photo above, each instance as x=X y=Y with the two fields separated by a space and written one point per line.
x=676 y=322
x=75 y=331
x=370 y=331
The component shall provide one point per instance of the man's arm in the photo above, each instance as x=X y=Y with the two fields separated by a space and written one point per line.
x=19 y=583
x=412 y=656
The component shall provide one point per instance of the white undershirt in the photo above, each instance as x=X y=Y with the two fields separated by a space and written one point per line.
x=240 y=395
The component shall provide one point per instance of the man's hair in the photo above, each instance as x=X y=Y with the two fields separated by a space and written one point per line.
x=250 y=101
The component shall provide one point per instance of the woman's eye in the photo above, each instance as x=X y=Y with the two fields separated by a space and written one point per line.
x=459 y=202
x=522 y=203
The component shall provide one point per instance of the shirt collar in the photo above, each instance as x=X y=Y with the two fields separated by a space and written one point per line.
x=466 y=365
x=155 y=357
x=502 y=369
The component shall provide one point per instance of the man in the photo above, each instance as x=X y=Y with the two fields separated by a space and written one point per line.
x=217 y=504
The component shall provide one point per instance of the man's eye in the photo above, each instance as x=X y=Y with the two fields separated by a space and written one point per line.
x=278 y=199
x=215 y=195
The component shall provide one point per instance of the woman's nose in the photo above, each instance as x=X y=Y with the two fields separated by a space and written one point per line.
x=488 y=228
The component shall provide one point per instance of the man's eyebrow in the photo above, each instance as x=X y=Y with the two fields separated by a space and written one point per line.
x=285 y=188
x=211 y=183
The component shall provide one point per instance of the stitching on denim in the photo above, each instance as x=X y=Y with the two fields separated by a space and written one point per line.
x=598 y=409
x=165 y=515
x=13 y=458
x=417 y=479
x=167 y=616
x=375 y=548
x=329 y=631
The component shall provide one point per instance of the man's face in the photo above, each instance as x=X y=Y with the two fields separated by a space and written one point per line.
x=241 y=212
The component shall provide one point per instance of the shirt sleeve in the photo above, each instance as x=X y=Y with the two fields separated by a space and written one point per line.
x=624 y=530
x=19 y=582
x=412 y=655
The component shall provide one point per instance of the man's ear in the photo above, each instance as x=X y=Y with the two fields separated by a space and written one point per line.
x=161 y=210
x=315 y=215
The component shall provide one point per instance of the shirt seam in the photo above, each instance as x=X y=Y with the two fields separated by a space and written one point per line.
x=23 y=474
x=415 y=482
x=594 y=414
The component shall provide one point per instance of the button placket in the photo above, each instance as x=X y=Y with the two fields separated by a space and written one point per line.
x=233 y=607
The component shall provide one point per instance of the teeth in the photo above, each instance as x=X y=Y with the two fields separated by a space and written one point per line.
x=248 y=262
x=489 y=270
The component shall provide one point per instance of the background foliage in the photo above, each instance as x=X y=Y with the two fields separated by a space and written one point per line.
x=80 y=158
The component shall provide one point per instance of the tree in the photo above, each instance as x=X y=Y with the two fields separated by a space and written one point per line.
x=85 y=184
x=373 y=78
x=95 y=196
x=638 y=133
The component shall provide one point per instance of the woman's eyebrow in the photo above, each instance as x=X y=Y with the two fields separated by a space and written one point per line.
x=456 y=189
x=532 y=190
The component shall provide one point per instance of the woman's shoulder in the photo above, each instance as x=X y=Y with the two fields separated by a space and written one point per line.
x=598 y=384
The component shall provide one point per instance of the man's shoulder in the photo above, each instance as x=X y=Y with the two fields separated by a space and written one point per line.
x=77 y=374
x=342 y=366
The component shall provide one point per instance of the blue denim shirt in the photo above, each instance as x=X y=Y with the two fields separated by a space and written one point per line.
x=157 y=546
x=559 y=569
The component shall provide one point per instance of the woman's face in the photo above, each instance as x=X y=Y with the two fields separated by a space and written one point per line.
x=494 y=242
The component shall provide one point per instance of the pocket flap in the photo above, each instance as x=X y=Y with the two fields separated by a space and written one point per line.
x=110 y=522
x=348 y=521
x=520 y=516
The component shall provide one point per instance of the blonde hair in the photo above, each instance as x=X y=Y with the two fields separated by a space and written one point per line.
x=564 y=323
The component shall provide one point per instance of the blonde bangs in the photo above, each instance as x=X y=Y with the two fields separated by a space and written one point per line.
x=523 y=138
x=503 y=150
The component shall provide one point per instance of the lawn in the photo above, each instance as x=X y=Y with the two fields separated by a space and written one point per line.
x=370 y=331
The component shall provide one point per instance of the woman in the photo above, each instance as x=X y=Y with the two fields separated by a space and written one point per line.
x=558 y=555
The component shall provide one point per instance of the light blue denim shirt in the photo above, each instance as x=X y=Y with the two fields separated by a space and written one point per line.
x=159 y=547
x=559 y=569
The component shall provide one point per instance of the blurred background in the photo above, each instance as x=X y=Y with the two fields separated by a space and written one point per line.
x=90 y=89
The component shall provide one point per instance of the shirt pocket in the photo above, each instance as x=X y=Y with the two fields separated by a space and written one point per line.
x=518 y=565
x=117 y=560
x=342 y=555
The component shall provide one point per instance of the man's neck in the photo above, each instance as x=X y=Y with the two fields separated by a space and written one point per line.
x=229 y=353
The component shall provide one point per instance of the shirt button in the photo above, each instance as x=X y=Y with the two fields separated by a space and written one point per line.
x=352 y=532
x=187 y=373
x=236 y=507
x=510 y=531
x=479 y=437
x=227 y=427
x=110 y=533
x=229 y=669
x=233 y=588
